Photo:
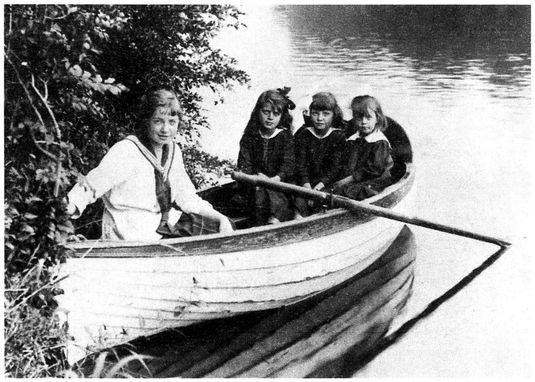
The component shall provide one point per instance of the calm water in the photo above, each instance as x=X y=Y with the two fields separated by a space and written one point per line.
x=459 y=80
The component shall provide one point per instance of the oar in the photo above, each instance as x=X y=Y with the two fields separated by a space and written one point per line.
x=353 y=205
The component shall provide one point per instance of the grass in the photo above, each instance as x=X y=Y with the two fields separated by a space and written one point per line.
x=35 y=340
x=109 y=364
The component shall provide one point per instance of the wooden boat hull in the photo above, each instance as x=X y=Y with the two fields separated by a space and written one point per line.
x=325 y=336
x=118 y=291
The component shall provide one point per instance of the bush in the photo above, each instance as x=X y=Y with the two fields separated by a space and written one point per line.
x=33 y=337
x=73 y=75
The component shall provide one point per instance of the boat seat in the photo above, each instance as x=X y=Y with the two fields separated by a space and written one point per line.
x=240 y=222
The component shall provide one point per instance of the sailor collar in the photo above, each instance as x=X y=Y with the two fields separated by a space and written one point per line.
x=311 y=129
x=164 y=170
x=370 y=138
x=274 y=134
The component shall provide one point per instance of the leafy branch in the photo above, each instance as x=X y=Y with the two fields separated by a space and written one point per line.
x=43 y=98
x=72 y=78
x=34 y=108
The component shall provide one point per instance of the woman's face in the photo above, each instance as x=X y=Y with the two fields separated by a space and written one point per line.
x=162 y=128
x=269 y=117
x=365 y=122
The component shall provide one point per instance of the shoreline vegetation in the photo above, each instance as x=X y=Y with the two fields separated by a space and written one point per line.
x=71 y=76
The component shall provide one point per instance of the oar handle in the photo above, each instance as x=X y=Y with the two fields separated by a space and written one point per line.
x=256 y=180
x=353 y=205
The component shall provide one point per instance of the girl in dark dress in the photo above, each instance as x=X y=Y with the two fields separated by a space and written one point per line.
x=319 y=149
x=267 y=150
x=369 y=160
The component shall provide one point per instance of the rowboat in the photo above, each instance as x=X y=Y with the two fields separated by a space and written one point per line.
x=116 y=291
x=332 y=334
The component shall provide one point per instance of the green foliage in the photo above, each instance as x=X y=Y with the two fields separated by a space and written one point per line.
x=205 y=169
x=170 y=44
x=114 y=364
x=33 y=338
x=73 y=77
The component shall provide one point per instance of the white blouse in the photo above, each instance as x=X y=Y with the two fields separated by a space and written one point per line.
x=125 y=180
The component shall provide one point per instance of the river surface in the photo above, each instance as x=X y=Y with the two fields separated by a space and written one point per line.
x=458 y=78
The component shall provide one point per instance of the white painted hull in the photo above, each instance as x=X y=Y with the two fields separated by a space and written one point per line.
x=117 y=291
x=110 y=300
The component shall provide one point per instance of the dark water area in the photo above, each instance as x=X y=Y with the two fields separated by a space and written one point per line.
x=458 y=79
x=486 y=29
x=445 y=39
x=446 y=55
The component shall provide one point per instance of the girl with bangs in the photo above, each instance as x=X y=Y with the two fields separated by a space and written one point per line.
x=367 y=171
x=267 y=150
x=319 y=149
x=146 y=192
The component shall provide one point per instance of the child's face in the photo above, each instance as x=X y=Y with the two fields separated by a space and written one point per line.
x=162 y=128
x=269 y=117
x=321 y=119
x=366 y=122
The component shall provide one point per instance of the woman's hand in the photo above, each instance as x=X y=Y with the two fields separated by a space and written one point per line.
x=341 y=183
x=82 y=182
x=262 y=176
x=70 y=207
x=320 y=186
x=225 y=225
x=310 y=202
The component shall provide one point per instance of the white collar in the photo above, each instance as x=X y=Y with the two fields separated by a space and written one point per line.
x=376 y=136
x=274 y=134
x=311 y=129
x=164 y=170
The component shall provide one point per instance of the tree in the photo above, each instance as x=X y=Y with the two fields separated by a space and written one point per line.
x=72 y=77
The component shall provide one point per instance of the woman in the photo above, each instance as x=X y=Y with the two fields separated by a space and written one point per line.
x=146 y=192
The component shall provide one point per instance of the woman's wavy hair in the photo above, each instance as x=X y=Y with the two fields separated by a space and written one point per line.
x=279 y=100
x=161 y=98
x=360 y=106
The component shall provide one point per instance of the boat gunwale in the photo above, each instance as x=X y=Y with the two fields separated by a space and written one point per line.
x=90 y=245
x=360 y=262
x=401 y=263
x=248 y=269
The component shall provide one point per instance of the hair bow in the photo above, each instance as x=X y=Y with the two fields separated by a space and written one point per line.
x=284 y=92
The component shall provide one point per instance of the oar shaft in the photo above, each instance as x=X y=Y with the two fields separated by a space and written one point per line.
x=390 y=214
x=353 y=205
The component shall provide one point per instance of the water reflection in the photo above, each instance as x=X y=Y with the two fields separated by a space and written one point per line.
x=458 y=78
x=326 y=335
x=441 y=71
x=491 y=43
